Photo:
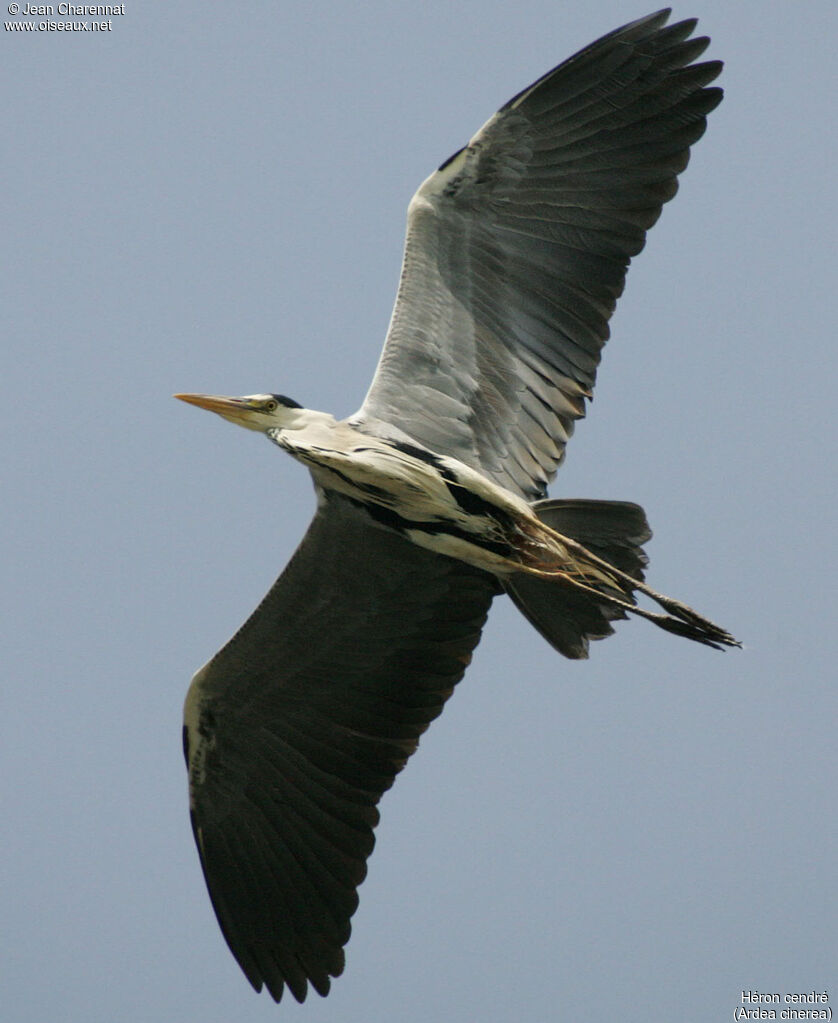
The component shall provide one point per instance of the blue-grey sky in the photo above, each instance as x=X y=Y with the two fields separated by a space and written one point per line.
x=212 y=198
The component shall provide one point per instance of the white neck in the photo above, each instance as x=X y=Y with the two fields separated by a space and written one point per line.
x=295 y=419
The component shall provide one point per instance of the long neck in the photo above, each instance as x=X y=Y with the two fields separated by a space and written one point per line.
x=295 y=420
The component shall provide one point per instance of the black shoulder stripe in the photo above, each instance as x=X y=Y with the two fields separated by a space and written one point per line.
x=470 y=502
x=420 y=454
x=434 y=527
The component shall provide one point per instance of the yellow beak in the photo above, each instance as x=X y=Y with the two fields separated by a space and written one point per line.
x=235 y=410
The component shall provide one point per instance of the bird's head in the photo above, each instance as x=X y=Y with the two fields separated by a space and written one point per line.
x=260 y=412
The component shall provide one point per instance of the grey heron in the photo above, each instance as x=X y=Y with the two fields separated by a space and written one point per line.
x=431 y=499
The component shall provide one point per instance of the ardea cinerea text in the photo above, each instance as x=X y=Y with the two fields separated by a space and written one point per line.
x=431 y=499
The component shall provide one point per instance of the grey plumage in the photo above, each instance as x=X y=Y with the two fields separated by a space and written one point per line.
x=516 y=252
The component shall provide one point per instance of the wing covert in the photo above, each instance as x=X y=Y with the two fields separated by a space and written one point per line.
x=300 y=723
x=517 y=250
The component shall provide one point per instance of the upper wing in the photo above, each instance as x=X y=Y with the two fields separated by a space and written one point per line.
x=517 y=250
x=300 y=723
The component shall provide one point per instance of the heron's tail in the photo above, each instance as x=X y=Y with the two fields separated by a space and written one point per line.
x=577 y=601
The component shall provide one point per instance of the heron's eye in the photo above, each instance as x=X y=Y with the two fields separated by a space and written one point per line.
x=271 y=406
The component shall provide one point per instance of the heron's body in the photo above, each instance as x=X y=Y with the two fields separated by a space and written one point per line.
x=432 y=497
x=437 y=502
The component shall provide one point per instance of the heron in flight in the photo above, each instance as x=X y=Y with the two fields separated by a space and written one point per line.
x=431 y=499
